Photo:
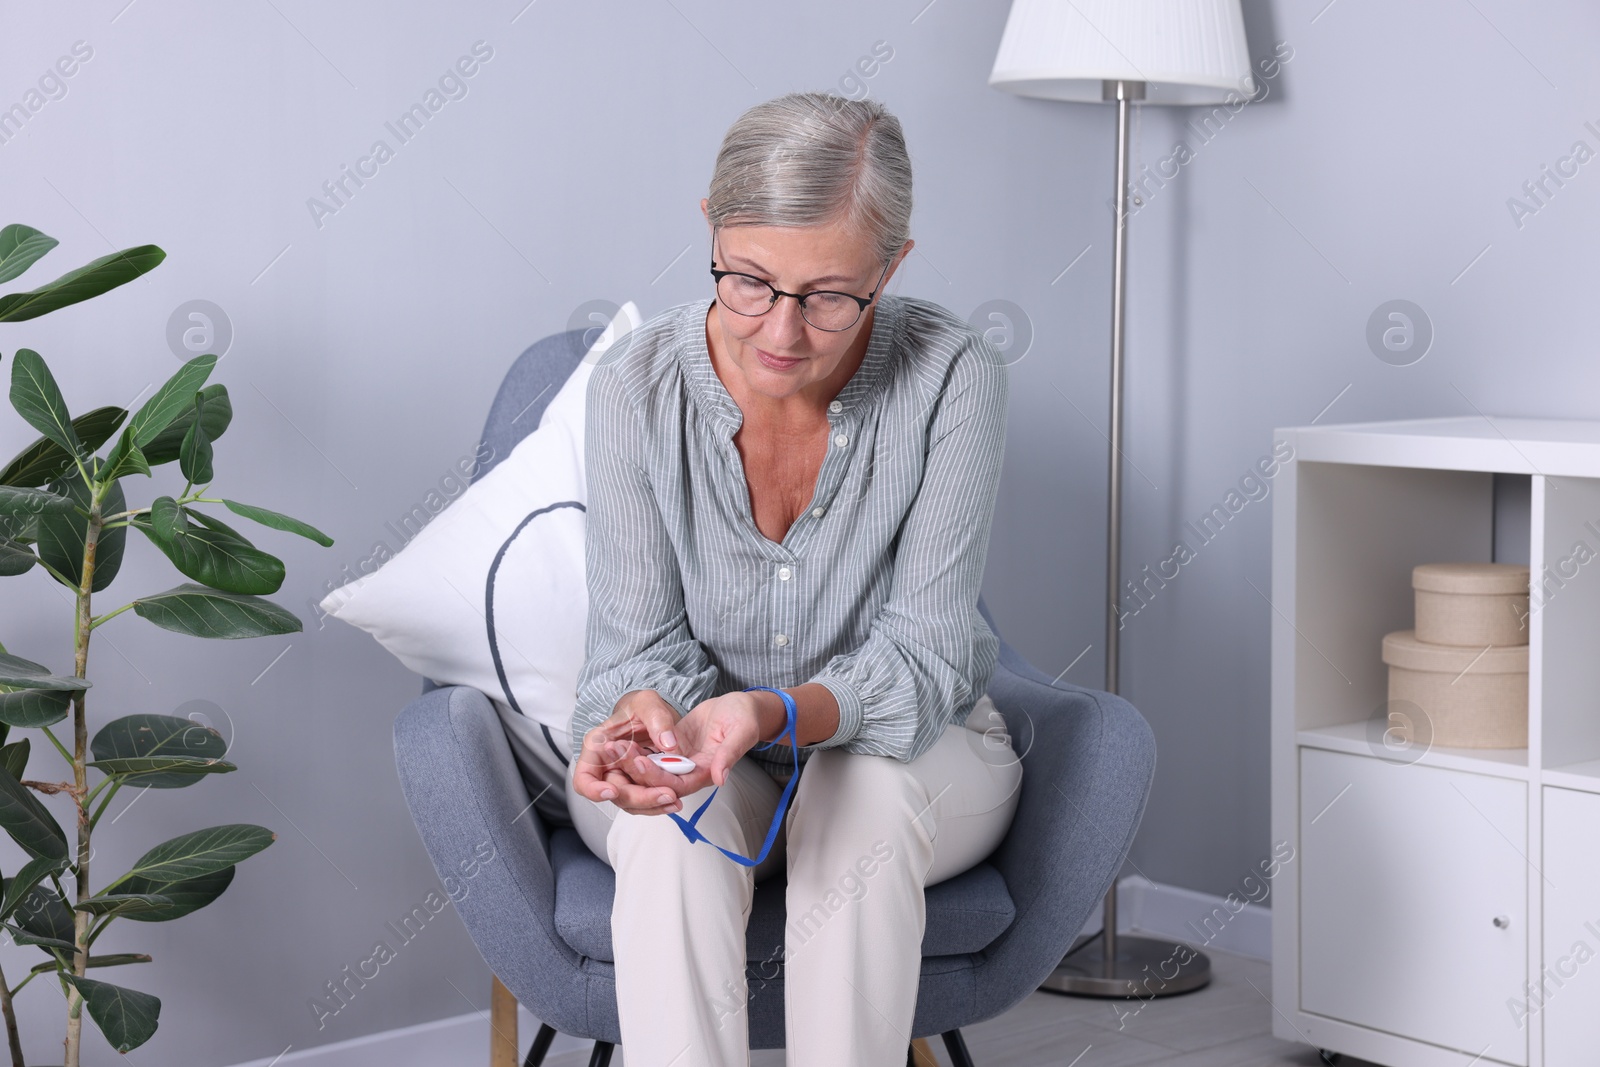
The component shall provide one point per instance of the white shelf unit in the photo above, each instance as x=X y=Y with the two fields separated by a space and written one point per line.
x=1443 y=907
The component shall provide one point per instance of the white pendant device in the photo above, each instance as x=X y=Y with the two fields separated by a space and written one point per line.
x=667 y=761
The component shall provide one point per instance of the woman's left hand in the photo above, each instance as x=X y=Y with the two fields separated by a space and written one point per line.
x=715 y=735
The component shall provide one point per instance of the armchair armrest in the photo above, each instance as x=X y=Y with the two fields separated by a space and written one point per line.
x=1088 y=761
x=464 y=789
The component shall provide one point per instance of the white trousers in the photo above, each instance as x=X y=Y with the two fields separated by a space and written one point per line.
x=863 y=836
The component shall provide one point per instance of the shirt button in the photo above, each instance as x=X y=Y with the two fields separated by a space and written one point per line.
x=781 y=639
x=784 y=572
x=835 y=406
x=841 y=440
x=816 y=513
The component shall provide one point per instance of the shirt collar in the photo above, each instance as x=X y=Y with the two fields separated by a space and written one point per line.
x=712 y=396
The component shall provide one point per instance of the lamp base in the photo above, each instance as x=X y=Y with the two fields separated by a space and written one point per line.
x=1144 y=968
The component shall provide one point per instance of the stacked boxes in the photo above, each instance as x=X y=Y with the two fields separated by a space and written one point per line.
x=1465 y=666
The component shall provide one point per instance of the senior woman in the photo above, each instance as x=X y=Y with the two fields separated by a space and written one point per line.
x=790 y=487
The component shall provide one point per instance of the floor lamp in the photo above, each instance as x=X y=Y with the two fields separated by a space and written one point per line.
x=1124 y=52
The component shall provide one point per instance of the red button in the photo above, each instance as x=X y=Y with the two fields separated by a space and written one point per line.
x=675 y=764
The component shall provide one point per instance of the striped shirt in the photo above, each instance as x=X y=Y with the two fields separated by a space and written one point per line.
x=873 y=591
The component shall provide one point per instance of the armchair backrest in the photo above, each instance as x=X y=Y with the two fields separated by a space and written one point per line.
x=527 y=389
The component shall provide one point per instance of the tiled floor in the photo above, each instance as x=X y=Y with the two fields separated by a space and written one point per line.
x=1226 y=1024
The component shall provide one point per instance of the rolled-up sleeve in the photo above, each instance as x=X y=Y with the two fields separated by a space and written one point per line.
x=929 y=655
x=637 y=635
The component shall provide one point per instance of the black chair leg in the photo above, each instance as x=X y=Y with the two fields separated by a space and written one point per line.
x=541 y=1045
x=957 y=1047
x=601 y=1056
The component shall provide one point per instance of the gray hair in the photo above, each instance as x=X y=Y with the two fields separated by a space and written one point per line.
x=814 y=158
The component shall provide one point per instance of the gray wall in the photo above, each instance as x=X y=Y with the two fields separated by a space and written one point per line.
x=367 y=347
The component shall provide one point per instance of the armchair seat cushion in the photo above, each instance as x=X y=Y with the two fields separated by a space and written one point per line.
x=965 y=912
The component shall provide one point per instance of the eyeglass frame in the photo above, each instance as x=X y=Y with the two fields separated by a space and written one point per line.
x=799 y=298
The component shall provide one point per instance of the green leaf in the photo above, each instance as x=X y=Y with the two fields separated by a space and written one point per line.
x=30 y=503
x=90 y=280
x=31 y=696
x=33 y=872
x=15 y=557
x=24 y=673
x=170 y=402
x=127 y=1017
x=200 y=612
x=94 y=428
x=44 y=459
x=112 y=959
x=194 y=456
x=278 y=521
x=123 y=459
x=198 y=853
x=28 y=937
x=187 y=895
x=175 y=395
x=148 y=736
x=62 y=536
x=211 y=522
x=217 y=560
x=28 y=822
x=43 y=914
x=20 y=247
x=166 y=517
x=14 y=757
x=214 y=419
x=121 y=903
x=135 y=768
x=38 y=399
x=34 y=707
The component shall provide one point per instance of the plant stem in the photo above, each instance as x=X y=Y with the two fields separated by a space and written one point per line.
x=59 y=746
x=11 y=1021
x=109 y=615
x=121 y=517
x=89 y=799
x=57 y=575
x=105 y=921
x=116 y=784
x=80 y=744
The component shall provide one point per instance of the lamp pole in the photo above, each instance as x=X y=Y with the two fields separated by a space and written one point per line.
x=1109 y=965
x=1124 y=93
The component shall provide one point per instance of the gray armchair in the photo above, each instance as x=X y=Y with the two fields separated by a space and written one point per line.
x=541 y=918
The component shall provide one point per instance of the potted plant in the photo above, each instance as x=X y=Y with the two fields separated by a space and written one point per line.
x=63 y=514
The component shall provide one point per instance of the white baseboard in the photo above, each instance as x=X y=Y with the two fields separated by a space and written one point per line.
x=1197 y=919
x=460 y=1039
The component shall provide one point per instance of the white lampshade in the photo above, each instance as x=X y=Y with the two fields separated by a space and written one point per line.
x=1185 y=51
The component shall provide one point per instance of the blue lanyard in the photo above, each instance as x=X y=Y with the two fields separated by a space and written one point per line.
x=688 y=826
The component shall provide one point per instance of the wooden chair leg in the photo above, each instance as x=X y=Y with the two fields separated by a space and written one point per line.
x=922 y=1053
x=502 y=1026
x=601 y=1056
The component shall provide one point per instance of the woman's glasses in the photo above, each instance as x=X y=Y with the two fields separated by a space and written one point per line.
x=745 y=294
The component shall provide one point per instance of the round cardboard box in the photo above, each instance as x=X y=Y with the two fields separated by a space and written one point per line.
x=1472 y=698
x=1471 y=604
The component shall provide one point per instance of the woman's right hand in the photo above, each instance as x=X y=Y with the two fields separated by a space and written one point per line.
x=641 y=717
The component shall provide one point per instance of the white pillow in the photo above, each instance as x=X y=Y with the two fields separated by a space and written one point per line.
x=510 y=549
